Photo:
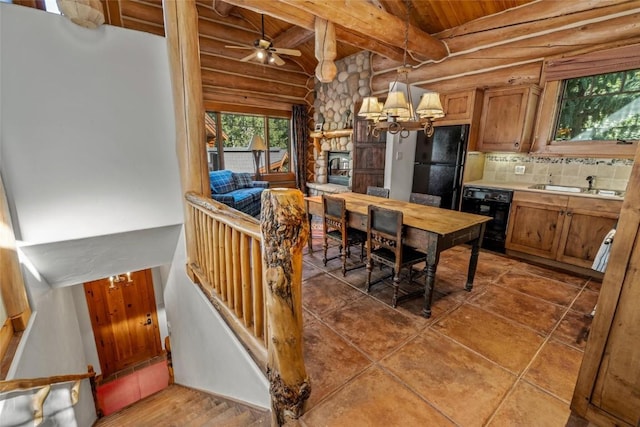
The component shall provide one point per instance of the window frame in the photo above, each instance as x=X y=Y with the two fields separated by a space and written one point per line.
x=555 y=71
x=270 y=114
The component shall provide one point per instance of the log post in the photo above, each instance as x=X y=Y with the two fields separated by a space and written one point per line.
x=181 y=27
x=325 y=50
x=285 y=231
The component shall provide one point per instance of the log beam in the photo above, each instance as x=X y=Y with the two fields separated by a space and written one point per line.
x=375 y=23
x=306 y=20
x=222 y=8
x=285 y=231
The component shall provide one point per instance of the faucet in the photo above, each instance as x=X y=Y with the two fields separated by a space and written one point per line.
x=590 y=180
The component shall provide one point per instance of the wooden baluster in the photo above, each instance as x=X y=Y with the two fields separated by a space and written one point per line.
x=245 y=277
x=75 y=392
x=228 y=258
x=94 y=390
x=258 y=290
x=237 y=282
x=37 y=403
x=285 y=231
x=216 y=257
x=222 y=262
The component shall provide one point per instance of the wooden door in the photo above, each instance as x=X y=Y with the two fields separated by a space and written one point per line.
x=368 y=158
x=535 y=224
x=124 y=320
x=587 y=222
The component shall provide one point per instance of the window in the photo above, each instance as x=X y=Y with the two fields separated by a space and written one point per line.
x=603 y=107
x=237 y=131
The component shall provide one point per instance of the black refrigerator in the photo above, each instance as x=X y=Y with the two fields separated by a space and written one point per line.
x=439 y=163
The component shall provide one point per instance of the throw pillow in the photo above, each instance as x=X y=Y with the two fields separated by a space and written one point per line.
x=242 y=180
x=221 y=181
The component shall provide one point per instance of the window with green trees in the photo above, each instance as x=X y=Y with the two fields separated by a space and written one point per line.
x=237 y=132
x=603 y=107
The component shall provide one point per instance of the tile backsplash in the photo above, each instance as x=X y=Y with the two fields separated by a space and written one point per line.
x=610 y=174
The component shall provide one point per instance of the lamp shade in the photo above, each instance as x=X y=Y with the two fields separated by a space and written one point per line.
x=370 y=108
x=257 y=143
x=430 y=106
x=396 y=104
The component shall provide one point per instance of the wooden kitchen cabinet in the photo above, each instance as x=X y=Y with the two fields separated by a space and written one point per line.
x=507 y=118
x=567 y=229
x=459 y=107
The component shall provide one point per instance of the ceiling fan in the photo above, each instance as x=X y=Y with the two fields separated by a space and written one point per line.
x=264 y=51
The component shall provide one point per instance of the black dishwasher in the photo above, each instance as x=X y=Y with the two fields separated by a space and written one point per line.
x=493 y=202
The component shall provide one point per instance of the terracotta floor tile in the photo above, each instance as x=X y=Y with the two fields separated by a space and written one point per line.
x=325 y=293
x=310 y=270
x=529 y=406
x=463 y=385
x=555 y=369
x=374 y=328
x=374 y=399
x=540 y=287
x=539 y=315
x=585 y=302
x=573 y=330
x=555 y=275
x=330 y=361
x=440 y=306
x=508 y=344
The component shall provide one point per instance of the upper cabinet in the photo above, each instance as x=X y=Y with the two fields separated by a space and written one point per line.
x=459 y=107
x=507 y=118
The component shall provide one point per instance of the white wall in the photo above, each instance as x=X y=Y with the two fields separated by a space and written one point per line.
x=52 y=344
x=400 y=156
x=88 y=130
x=206 y=355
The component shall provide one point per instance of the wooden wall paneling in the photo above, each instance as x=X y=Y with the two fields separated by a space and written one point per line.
x=218 y=99
x=142 y=11
x=257 y=85
x=36 y=4
x=276 y=74
x=143 y=26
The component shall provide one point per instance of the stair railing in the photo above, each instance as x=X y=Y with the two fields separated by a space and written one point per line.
x=251 y=272
x=44 y=387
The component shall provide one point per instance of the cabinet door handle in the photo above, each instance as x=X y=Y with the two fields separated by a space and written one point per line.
x=561 y=213
x=516 y=144
x=569 y=213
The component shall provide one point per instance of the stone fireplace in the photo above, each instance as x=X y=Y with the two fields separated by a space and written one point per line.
x=334 y=109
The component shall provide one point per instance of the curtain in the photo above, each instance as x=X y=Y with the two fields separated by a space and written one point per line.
x=299 y=145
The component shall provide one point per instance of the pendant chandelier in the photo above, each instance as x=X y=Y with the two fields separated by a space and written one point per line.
x=397 y=115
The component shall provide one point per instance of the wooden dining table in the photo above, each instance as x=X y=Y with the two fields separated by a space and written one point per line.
x=427 y=229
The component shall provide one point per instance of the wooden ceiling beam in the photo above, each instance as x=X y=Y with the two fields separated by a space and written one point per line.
x=293 y=37
x=368 y=20
x=520 y=51
x=222 y=8
x=306 y=20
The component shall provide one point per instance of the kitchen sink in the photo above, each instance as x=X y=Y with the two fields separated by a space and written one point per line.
x=565 y=188
x=571 y=189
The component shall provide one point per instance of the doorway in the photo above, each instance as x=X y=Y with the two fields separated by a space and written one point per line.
x=124 y=320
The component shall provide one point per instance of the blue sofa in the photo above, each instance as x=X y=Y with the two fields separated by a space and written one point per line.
x=237 y=190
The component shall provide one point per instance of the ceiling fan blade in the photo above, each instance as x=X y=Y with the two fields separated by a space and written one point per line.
x=239 y=47
x=276 y=59
x=249 y=57
x=290 y=52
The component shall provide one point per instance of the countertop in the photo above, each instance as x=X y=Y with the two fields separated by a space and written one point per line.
x=520 y=186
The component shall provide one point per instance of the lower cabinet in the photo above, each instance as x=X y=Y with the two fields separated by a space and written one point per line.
x=568 y=229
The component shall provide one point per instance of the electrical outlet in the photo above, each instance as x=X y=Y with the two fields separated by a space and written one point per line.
x=398 y=155
x=520 y=170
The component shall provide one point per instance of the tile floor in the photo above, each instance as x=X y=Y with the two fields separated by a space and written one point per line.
x=505 y=354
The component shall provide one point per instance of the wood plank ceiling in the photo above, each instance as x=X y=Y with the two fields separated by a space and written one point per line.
x=374 y=25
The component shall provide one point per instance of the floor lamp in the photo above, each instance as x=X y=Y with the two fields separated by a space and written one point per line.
x=257 y=147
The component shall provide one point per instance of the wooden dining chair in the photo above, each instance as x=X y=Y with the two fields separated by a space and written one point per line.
x=425 y=199
x=378 y=191
x=384 y=246
x=334 y=223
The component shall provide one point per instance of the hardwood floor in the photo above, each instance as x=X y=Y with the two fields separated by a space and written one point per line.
x=185 y=407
